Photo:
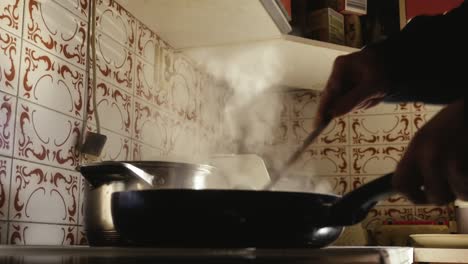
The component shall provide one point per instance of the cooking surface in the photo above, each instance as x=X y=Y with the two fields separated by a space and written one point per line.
x=82 y=255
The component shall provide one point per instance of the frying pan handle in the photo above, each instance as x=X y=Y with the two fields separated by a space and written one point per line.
x=354 y=206
x=110 y=171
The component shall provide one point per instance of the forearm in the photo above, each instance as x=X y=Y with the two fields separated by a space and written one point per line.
x=427 y=60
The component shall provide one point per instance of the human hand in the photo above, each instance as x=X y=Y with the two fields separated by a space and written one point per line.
x=436 y=159
x=358 y=80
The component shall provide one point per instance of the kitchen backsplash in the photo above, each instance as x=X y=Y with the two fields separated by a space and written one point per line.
x=152 y=102
x=353 y=150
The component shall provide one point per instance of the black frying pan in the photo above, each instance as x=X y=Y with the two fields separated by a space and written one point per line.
x=238 y=218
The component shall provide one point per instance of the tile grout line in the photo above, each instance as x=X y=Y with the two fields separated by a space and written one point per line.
x=16 y=113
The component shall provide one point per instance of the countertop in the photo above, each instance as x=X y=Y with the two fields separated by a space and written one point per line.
x=82 y=255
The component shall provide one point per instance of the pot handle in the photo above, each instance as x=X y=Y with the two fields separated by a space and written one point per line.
x=109 y=171
x=353 y=207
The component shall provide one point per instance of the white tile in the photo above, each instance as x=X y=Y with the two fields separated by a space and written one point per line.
x=152 y=127
x=81 y=208
x=433 y=213
x=77 y=7
x=5 y=176
x=375 y=160
x=146 y=87
x=183 y=80
x=43 y=194
x=422 y=107
x=116 y=22
x=56 y=30
x=339 y=185
x=114 y=108
x=324 y=161
x=3 y=232
x=45 y=136
x=7 y=123
x=145 y=152
x=304 y=104
x=9 y=61
x=419 y=119
x=82 y=239
x=380 y=129
x=117 y=147
x=51 y=82
x=147 y=43
x=114 y=62
x=11 y=15
x=21 y=233
x=385 y=108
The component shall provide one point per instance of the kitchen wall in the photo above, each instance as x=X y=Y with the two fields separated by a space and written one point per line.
x=354 y=149
x=152 y=103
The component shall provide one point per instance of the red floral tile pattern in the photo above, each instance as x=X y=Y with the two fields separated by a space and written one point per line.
x=11 y=17
x=5 y=172
x=114 y=108
x=376 y=160
x=385 y=108
x=82 y=240
x=325 y=161
x=41 y=234
x=43 y=194
x=44 y=78
x=433 y=213
x=56 y=30
x=3 y=232
x=114 y=62
x=9 y=62
x=77 y=7
x=7 y=121
x=152 y=127
x=45 y=136
x=380 y=129
x=147 y=42
x=146 y=87
x=379 y=214
x=113 y=20
x=304 y=104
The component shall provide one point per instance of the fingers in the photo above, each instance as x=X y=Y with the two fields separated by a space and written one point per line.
x=408 y=178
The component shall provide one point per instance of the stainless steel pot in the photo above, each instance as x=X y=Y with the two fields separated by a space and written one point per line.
x=108 y=177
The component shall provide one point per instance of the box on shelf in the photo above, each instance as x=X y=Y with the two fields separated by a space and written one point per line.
x=327 y=25
x=353 y=31
x=349 y=7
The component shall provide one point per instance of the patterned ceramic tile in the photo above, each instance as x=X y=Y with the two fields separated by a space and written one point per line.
x=117 y=147
x=51 y=82
x=5 y=175
x=152 y=127
x=54 y=29
x=146 y=87
x=77 y=7
x=7 y=123
x=380 y=129
x=211 y=103
x=145 y=152
x=304 y=103
x=335 y=134
x=209 y=143
x=325 y=161
x=433 y=213
x=46 y=136
x=385 y=108
x=116 y=22
x=41 y=234
x=43 y=194
x=82 y=240
x=114 y=108
x=9 y=62
x=183 y=81
x=420 y=119
x=357 y=181
x=3 y=232
x=421 y=107
x=114 y=62
x=339 y=185
x=11 y=15
x=183 y=140
x=379 y=214
x=147 y=43
x=376 y=160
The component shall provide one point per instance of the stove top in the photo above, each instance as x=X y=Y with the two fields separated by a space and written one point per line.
x=85 y=255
